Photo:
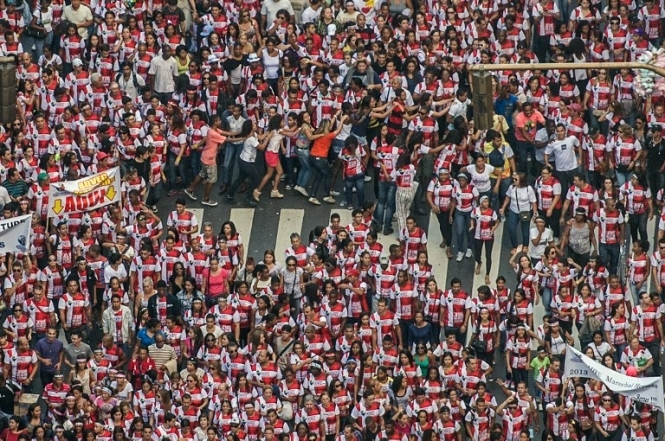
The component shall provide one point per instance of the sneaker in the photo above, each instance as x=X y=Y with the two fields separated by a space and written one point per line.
x=256 y=194
x=189 y=193
x=368 y=178
x=314 y=201
x=334 y=193
x=354 y=190
x=282 y=178
x=469 y=253
x=388 y=231
x=209 y=203
x=349 y=207
x=230 y=200
x=275 y=194
x=301 y=190
x=172 y=193
x=329 y=199
x=460 y=256
x=288 y=187
x=154 y=209
x=342 y=204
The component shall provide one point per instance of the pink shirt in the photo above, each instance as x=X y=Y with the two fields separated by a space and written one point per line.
x=209 y=152
x=530 y=124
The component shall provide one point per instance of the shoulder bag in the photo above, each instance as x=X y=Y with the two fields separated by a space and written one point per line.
x=525 y=216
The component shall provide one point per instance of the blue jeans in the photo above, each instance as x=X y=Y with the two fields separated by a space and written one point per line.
x=232 y=152
x=195 y=162
x=182 y=169
x=290 y=170
x=357 y=181
x=462 y=224
x=322 y=172
x=305 y=172
x=497 y=199
x=609 y=255
x=385 y=207
x=154 y=194
x=622 y=178
x=513 y=222
x=546 y=296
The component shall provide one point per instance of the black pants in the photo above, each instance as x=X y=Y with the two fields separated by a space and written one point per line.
x=552 y=221
x=638 y=226
x=459 y=335
x=246 y=171
x=46 y=377
x=654 y=348
x=445 y=227
x=478 y=247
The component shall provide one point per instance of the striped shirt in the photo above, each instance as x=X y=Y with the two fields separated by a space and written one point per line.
x=161 y=355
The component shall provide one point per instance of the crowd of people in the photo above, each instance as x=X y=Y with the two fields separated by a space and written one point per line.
x=347 y=335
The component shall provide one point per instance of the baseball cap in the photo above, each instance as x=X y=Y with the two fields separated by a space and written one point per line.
x=76 y=62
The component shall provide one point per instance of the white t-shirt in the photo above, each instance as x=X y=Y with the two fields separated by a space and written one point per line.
x=565 y=154
x=537 y=251
x=248 y=153
x=521 y=199
x=481 y=180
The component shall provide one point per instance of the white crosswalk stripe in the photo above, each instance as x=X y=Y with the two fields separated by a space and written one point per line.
x=437 y=256
x=243 y=219
x=290 y=221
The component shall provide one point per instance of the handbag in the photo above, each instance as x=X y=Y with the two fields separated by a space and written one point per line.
x=525 y=216
x=36 y=33
x=479 y=345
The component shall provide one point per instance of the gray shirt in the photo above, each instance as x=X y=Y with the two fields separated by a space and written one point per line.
x=71 y=352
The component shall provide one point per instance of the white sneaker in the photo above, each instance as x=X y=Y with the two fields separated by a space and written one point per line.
x=469 y=253
x=368 y=178
x=301 y=190
x=314 y=201
x=334 y=193
x=329 y=199
x=342 y=204
x=460 y=256
x=354 y=189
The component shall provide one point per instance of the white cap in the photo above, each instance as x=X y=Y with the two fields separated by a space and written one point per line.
x=253 y=58
x=76 y=62
x=332 y=29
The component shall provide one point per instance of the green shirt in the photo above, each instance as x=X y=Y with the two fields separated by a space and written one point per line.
x=537 y=365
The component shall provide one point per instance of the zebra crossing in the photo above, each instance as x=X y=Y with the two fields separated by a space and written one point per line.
x=270 y=228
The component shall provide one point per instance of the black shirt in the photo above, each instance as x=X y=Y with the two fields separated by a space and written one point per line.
x=7 y=399
x=656 y=154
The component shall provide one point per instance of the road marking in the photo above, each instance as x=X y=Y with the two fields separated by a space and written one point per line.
x=290 y=221
x=345 y=216
x=198 y=212
x=436 y=256
x=243 y=219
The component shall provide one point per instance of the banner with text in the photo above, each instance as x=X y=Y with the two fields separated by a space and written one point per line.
x=84 y=194
x=15 y=234
x=647 y=390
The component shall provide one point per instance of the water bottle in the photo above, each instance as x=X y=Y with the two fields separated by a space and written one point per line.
x=662 y=350
x=531 y=433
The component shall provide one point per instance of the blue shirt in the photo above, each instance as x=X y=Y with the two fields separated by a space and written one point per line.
x=145 y=339
x=50 y=351
x=505 y=107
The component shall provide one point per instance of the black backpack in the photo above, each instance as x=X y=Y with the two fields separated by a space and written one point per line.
x=496 y=159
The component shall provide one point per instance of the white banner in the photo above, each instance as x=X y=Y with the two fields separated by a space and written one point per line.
x=647 y=390
x=15 y=234
x=84 y=194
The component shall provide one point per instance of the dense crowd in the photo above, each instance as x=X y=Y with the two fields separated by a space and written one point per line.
x=340 y=337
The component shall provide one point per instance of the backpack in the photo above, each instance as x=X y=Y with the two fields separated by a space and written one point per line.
x=134 y=80
x=496 y=159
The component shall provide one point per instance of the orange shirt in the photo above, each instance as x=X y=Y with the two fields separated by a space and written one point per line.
x=321 y=145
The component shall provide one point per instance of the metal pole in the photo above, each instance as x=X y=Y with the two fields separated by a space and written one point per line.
x=545 y=66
